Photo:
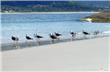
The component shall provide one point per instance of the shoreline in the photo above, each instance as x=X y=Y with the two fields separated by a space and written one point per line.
x=22 y=45
x=103 y=33
x=47 y=12
x=76 y=55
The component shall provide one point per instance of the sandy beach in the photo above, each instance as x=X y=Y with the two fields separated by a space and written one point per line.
x=92 y=54
x=46 y=12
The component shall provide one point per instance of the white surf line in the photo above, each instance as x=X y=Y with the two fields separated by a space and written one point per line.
x=47 y=12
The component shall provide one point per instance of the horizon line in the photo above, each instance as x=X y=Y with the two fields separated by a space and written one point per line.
x=55 y=0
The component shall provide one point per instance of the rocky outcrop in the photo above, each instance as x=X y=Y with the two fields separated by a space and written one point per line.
x=100 y=17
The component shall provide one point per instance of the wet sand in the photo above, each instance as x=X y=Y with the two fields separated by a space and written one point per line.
x=89 y=54
x=27 y=44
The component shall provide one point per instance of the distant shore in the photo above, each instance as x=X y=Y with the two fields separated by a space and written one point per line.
x=46 y=12
x=99 y=17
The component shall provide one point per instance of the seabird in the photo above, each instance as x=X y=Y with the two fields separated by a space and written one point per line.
x=28 y=37
x=38 y=37
x=73 y=34
x=15 y=39
x=53 y=37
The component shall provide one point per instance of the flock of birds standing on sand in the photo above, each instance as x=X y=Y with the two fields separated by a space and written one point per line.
x=53 y=36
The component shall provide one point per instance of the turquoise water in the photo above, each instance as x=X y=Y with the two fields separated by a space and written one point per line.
x=43 y=24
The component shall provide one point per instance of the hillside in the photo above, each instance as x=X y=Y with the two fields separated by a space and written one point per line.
x=53 y=6
x=100 y=17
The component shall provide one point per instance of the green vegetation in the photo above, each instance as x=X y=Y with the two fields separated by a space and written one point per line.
x=99 y=17
x=53 y=6
x=100 y=20
x=39 y=7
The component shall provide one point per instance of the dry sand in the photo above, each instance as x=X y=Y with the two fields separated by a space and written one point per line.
x=90 y=54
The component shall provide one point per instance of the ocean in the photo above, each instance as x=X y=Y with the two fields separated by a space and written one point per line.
x=43 y=24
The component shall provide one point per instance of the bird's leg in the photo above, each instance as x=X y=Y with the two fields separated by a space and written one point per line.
x=52 y=40
x=88 y=37
x=14 y=44
x=95 y=34
x=26 y=43
x=72 y=37
x=58 y=38
x=38 y=41
x=29 y=44
x=84 y=37
x=17 y=46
